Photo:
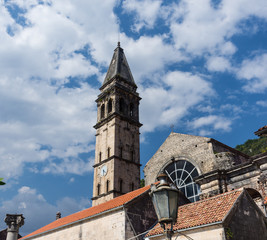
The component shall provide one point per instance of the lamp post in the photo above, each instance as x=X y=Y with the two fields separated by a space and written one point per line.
x=165 y=201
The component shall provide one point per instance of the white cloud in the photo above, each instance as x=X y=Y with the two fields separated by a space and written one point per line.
x=146 y=12
x=254 y=72
x=36 y=115
x=198 y=27
x=36 y=210
x=212 y=121
x=72 y=180
x=69 y=165
x=41 y=120
x=180 y=92
x=262 y=103
x=218 y=64
x=75 y=65
x=150 y=55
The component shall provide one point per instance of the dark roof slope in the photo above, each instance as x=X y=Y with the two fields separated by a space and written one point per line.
x=119 y=67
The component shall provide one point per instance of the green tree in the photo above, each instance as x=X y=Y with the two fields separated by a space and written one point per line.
x=253 y=146
x=142 y=182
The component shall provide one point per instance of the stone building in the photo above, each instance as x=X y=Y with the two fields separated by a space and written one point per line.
x=204 y=169
x=231 y=215
x=123 y=217
x=120 y=218
x=117 y=133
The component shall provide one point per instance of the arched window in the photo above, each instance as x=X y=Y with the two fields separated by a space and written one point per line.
x=182 y=174
x=110 y=106
x=131 y=109
x=121 y=105
x=120 y=185
x=132 y=155
x=108 y=152
x=100 y=157
x=98 y=189
x=120 y=152
x=102 y=114
x=107 y=186
x=132 y=186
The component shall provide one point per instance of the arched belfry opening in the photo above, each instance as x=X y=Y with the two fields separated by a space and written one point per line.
x=102 y=111
x=109 y=105
x=131 y=109
x=121 y=105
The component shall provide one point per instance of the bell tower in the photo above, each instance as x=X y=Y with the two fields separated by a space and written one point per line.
x=117 y=150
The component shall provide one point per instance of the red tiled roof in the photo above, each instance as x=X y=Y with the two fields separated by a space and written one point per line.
x=259 y=131
x=203 y=212
x=262 y=128
x=116 y=202
x=265 y=201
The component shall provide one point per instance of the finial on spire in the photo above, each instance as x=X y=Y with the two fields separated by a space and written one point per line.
x=119 y=44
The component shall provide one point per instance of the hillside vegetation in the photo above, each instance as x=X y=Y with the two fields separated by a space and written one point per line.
x=253 y=146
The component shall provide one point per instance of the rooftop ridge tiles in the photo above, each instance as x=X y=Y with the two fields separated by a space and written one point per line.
x=216 y=196
x=201 y=213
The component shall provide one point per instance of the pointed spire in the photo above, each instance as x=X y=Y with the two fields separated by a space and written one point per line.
x=119 y=67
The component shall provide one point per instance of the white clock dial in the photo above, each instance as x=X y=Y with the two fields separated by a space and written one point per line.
x=104 y=170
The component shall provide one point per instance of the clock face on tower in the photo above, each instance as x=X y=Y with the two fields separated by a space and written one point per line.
x=104 y=170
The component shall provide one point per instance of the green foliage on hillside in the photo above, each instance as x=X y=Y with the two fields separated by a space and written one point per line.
x=253 y=146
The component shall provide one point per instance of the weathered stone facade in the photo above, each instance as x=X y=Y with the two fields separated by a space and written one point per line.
x=105 y=226
x=206 y=154
x=117 y=151
x=251 y=175
x=220 y=167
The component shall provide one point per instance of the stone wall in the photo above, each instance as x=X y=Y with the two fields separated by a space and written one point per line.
x=180 y=146
x=251 y=175
x=140 y=216
x=106 y=226
x=205 y=154
x=214 y=232
x=247 y=222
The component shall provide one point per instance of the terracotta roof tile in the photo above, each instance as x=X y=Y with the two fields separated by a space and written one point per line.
x=261 y=130
x=265 y=201
x=116 y=202
x=203 y=212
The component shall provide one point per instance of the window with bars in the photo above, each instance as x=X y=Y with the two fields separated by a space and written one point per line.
x=182 y=174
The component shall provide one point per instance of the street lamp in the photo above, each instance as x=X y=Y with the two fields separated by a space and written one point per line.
x=165 y=201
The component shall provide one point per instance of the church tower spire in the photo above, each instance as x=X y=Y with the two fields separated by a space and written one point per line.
x=117 y=151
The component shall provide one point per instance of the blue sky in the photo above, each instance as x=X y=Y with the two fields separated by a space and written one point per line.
x=199 y=66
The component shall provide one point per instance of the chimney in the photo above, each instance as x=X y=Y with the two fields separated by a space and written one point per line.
x=58 y=215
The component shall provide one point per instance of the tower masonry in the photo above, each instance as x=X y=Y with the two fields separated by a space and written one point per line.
x=117 y=150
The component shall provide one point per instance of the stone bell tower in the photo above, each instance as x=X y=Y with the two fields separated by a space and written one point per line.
x=117 y=150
